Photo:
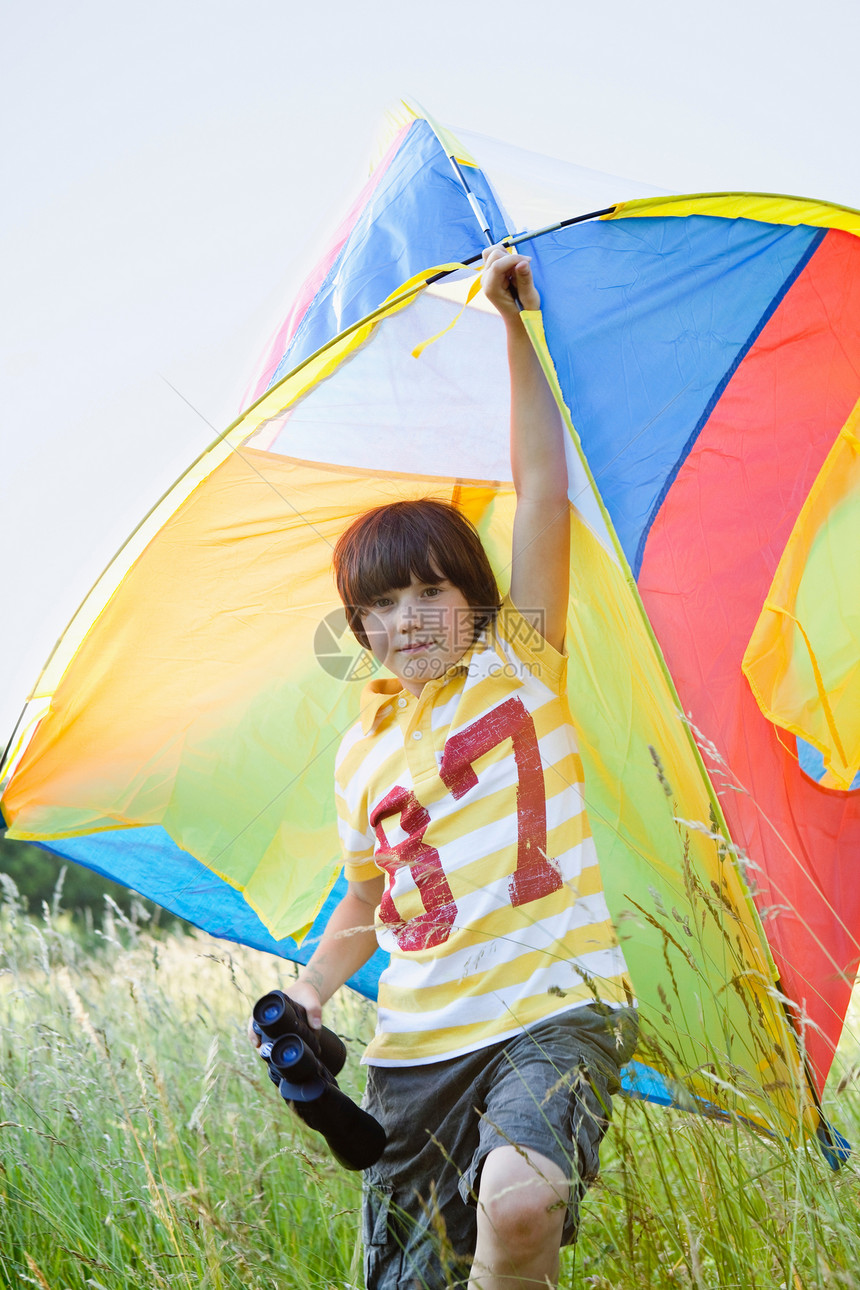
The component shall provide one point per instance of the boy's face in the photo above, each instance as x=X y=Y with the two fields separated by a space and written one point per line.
x=419 y=631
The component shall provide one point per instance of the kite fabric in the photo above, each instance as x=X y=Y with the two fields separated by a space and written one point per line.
x=705 y=352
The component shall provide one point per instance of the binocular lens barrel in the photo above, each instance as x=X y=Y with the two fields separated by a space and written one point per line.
x=270 y=1014
x=355 y=1139
x=293 y=1060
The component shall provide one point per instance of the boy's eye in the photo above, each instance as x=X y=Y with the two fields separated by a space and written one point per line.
x=432 y=591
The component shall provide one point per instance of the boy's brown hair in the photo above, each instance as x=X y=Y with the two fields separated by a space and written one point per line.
x=384 y=548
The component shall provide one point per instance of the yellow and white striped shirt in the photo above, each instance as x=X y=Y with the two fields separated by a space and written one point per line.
x=469 y=799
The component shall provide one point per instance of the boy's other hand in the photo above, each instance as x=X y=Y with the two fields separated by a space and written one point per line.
x=300 y=992
x=304 y=993
x=503 y=271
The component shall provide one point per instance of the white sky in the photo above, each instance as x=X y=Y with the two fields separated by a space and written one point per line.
x=172 y=169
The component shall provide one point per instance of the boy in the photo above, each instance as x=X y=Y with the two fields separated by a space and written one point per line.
x=502 y=1024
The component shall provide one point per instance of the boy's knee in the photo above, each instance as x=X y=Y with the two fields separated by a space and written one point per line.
x=522 y=1201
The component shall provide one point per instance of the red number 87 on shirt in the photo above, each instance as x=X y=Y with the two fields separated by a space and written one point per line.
x=535 y=876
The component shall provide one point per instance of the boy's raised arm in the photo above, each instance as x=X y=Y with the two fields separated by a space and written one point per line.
x=540 y=564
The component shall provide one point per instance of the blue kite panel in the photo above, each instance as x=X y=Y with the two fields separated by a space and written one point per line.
x=646 y=319
x=148 y=860
x=419 y=216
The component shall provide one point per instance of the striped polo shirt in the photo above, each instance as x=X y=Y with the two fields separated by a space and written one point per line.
x=469 y=800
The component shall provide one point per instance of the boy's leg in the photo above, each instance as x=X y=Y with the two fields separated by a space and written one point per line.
x=546 y=1100
x=450 y=1164
x=522 y=1203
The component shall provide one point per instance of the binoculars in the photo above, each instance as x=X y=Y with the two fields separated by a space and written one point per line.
x=303 y=1063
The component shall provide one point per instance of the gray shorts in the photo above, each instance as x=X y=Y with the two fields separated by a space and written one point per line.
x=548 y=1089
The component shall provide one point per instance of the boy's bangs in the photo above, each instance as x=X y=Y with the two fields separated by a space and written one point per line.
x=393 y=565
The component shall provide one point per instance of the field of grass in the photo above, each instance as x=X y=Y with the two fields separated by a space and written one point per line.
x=141 y=1145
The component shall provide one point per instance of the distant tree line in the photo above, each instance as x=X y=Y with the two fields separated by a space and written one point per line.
x=36 y=873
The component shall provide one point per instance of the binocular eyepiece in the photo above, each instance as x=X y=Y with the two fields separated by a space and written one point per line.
x=303 y=1063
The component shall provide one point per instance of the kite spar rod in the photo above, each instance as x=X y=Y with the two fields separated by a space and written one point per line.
x=472 y=199
x=510 y=240
x=514 y=239
x=483 y=222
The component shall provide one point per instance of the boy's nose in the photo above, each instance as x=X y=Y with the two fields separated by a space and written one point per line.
x=408 y=616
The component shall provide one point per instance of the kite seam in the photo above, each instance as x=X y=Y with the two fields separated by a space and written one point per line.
x=742 y=353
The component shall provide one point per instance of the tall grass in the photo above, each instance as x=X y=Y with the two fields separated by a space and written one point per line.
x=142 y=1146
x=683 y=1200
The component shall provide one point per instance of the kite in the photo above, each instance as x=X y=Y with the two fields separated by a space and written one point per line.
x=705 y=352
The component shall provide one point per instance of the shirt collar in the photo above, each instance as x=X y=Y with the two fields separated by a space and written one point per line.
x=376 y=696
x=380 y=694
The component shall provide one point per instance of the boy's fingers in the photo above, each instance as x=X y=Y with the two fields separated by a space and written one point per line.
x=496 y=252
x=503 y=262
x=508 y=279
x=492 y=253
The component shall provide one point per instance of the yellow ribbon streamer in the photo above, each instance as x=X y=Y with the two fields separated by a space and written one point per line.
x=470 y=296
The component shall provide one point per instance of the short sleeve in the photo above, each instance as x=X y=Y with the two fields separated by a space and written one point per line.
x=542 y=659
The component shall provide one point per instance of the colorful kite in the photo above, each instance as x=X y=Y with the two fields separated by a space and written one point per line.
x=706 y=351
